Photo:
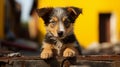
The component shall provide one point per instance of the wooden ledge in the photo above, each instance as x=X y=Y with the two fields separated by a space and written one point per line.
x=35 y=61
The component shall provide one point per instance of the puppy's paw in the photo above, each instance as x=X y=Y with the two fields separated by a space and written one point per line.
x=69 y=52
x=46 y=53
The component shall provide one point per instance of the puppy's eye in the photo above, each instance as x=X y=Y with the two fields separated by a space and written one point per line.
x=53 y=22
x=67 y=23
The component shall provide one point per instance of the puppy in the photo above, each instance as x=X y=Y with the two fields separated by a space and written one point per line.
x=59 y=26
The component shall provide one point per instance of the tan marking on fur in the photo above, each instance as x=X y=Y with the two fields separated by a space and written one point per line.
x=64 y=18
x=55 y=19
x=47 y=51
x=72 y=10
x=53 y=30
x=51 y=25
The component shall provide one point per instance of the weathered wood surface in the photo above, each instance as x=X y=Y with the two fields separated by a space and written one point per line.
x=82 y=61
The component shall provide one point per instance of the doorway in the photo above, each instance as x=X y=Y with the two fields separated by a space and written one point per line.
x=104 y=27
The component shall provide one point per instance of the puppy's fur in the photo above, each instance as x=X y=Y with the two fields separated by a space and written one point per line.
x=59 y=26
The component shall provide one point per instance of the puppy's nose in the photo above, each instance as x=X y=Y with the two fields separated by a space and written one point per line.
x=60 y=33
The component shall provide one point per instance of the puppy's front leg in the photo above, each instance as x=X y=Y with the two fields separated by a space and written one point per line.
x=47 y=51
x=70 y=51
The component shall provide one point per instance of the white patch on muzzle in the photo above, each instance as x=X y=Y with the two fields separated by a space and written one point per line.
x=61 y=27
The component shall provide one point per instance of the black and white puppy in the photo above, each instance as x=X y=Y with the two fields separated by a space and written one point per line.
x=59 y=26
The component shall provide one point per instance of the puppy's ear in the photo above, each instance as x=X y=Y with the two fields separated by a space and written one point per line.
x=44 y=13
x=74 y=11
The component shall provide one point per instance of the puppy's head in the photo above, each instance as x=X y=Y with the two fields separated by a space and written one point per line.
x=59 y=21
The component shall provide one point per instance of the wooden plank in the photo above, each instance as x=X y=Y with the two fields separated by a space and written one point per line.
x=98 y=63
x=100 y=57
x=82 y=61
x=30 y=63
x=87 y=57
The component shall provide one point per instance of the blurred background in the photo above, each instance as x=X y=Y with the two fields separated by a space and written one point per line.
x=97 y=28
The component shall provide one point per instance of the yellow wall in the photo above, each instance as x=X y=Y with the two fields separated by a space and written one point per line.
x=86 y=26
x=1 y=18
